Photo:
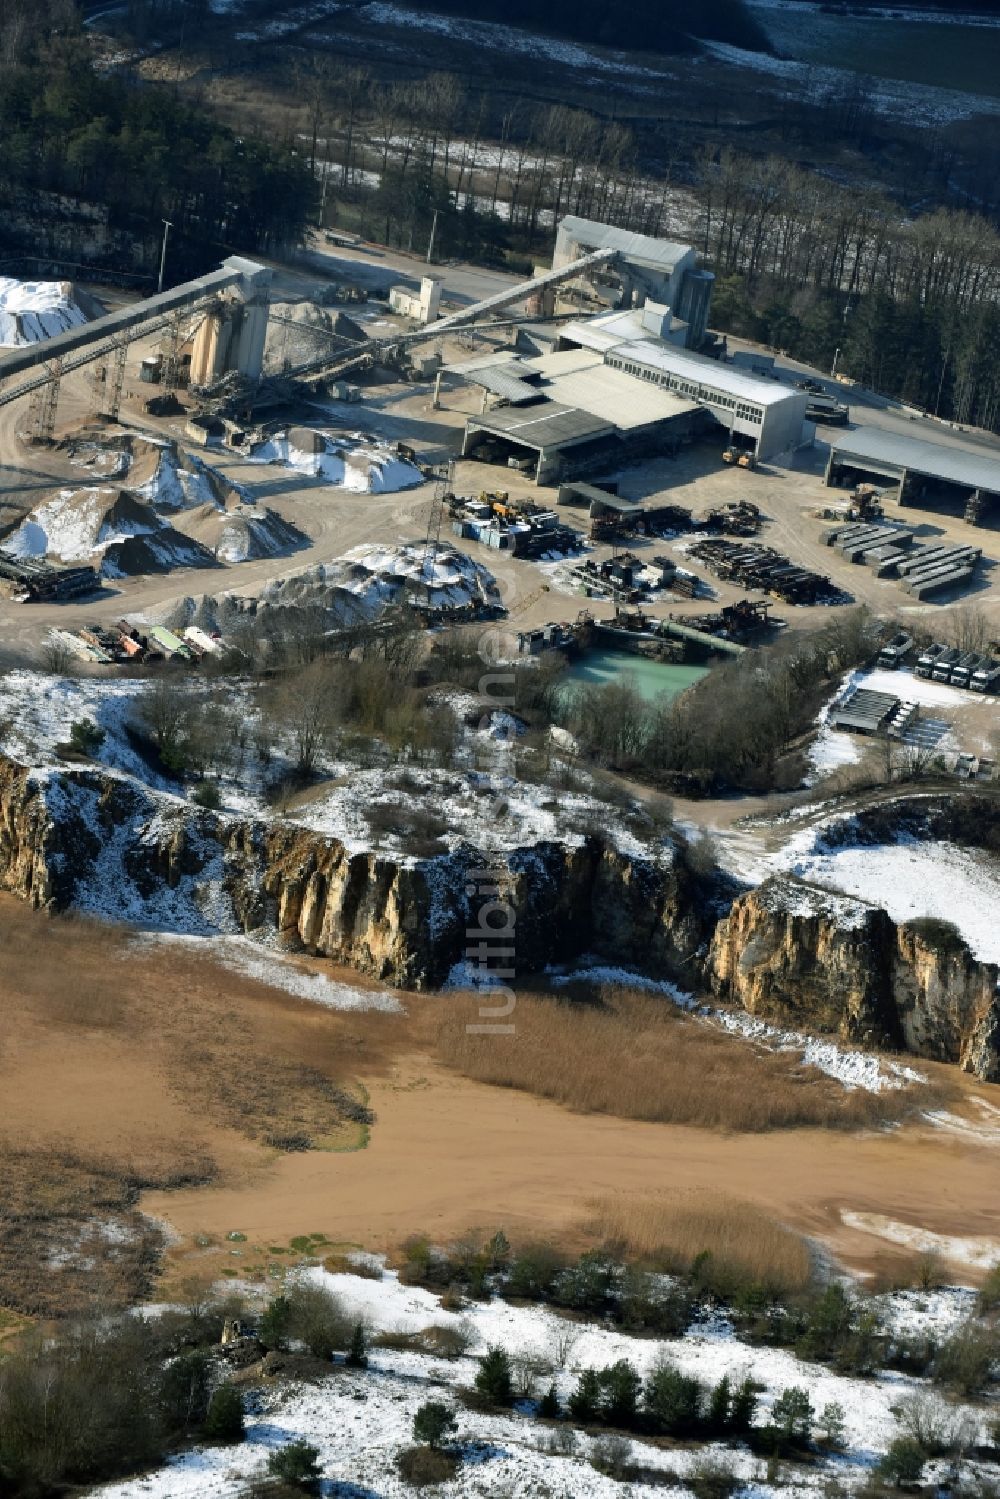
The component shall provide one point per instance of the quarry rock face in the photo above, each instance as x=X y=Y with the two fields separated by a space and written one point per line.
x=792 y=952
x=806 y=956
x=81 y=836
x=947 y=1002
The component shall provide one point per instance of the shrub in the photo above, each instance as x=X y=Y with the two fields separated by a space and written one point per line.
x=224 y=1420
x=548 y=1406
x=989 y=1291
x=85 y=736
x=743 y=1406
x=611 y=1454
x=589 y=1285
x=831 y=1424
x=418 y=1260
x=534 y=1272
x=720 y=1405
x=903 y=1463
x=184 y=1390
x=357 y=1353
x=965 y=1362
x=274 y=1323
x=206 y=794
x=585 y=1401
x=316 y=1318
x=712 y=1479
x=673 y=1401
x=494 y=1379
x=434 y=1423
x=645 y=1303
x=621 y=1388
x=426 y=1465
x=930 y=1422
x=297 y=1464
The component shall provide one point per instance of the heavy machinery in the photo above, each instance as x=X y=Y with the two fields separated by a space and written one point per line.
x=747 y=460
x=866 y=503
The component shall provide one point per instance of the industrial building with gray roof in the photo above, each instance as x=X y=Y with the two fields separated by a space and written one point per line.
x=922 y=469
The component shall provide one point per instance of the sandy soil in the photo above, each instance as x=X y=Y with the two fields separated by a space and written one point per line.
x=447 y=1154
x=152 y=1059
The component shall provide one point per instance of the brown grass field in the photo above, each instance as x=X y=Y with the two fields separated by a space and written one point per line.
x=664 y=1066
x=672 y=1233
x=141 y=1076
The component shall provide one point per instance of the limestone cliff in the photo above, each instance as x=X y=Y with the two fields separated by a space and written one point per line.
x=947 y=1002
x=86 y=837
x=791 y=951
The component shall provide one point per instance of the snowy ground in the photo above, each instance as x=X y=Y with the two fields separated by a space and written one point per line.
x=359 y=1420
x=909 y=877
x=832 y=749
x=279 y=970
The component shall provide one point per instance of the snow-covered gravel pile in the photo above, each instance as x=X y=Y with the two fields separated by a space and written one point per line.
x=34 y=310
x=354 y=463
x=360 y=1420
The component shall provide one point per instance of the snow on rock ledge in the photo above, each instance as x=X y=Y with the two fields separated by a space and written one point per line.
x=98 y=841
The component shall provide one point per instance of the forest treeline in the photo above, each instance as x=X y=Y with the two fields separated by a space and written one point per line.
x=646 y=25
x=811 y=267
x=804 y=263
x=140 y=154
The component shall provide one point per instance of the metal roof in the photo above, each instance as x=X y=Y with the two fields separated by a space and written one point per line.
x=578 y=377
x=708 y=372
x=933 y=460
x=865 y=709
x=598 y=496
x=487 y=361
x=546 y=426
x=642 y=249
x=499 y=383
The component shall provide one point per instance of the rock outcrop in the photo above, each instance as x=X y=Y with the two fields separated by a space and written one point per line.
x=791 y=951
x=82 y=836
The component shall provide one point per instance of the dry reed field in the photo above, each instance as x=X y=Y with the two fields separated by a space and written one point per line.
x=638 y=1057
x=128 y=1066
x=745 y=1245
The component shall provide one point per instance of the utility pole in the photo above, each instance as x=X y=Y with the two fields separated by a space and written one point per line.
x=434 y=225
x=167 y=226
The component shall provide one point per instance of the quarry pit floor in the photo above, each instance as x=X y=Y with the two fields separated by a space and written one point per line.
x=147 y=1056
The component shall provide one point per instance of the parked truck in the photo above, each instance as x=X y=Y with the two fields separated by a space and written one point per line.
x=894 y=652
x=945 y=664
x=928 y=659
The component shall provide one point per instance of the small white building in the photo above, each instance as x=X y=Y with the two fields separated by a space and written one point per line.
x=423 y=306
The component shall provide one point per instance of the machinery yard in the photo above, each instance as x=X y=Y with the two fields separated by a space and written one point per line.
x=306 y=467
